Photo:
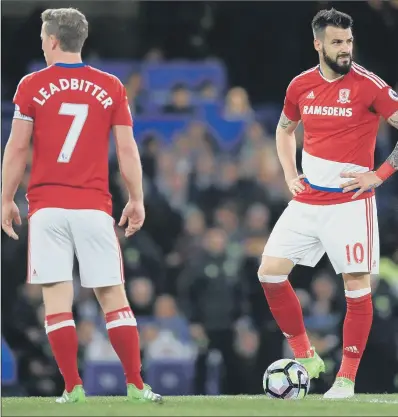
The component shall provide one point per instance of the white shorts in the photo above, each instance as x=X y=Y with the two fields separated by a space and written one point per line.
x=347 y=232
x=56 y=234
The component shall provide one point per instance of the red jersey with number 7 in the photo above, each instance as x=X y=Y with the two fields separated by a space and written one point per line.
x=73 y=108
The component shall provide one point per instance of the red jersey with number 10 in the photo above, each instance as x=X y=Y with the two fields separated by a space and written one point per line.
x=73 y=108
x=340 y=119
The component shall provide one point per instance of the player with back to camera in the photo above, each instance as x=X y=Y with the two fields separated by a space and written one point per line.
x=333 y=208
x=70 y=108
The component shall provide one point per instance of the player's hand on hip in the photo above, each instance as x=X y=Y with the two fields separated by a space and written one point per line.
x=134 y=215
x=296 y=185
x=10 y=214
x=360 y=181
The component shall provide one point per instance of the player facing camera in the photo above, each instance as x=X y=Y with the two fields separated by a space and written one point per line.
x=334 y=198
x=333 y=40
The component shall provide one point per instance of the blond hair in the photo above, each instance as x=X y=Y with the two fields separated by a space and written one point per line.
x=68 y=25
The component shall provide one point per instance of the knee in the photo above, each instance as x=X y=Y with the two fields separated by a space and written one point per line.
x=274 y=270
x=57 y=297
x=111 y=298
x=356 y=282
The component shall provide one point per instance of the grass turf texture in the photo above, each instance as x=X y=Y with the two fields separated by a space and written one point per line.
x=313 y=405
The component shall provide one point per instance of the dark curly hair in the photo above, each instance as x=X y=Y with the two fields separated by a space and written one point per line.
x=332 y=17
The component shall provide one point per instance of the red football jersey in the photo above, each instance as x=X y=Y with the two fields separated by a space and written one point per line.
x=340 y=119
x=73 y=108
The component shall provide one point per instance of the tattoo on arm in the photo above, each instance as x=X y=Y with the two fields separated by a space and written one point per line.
x=393 y=120
x=393 y=158
x=284 y=122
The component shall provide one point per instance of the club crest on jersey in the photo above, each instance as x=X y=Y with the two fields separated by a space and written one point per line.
x=344 y=95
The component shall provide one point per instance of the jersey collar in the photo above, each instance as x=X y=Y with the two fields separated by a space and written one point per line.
x=77 y=65
x=329 y=81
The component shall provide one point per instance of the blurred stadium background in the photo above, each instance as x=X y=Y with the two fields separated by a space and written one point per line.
x=206 y=81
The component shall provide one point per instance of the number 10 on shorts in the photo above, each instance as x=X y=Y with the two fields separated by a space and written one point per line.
x=355 y=252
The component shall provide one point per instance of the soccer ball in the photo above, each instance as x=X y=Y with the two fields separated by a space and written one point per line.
x=286 y=379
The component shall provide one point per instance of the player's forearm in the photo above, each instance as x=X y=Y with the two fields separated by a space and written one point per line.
x=131 y=170
x=14 y=165
x=390 y=166
x=286 y=148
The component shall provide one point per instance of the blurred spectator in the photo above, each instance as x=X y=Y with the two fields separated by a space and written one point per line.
x=154 y=55
x=325 y=311
x=253 y=142
x=149 y=151
x=229 y=176
x=207 y=279
x=226 y=217
x=141 y=294
x=201 y=139
x=180 y=101
x=167 y=335
x=37 y=367
x=256 y=221
x=136 y=95
x=382 y=343
x=270 y=175
x=207 y=91
x=204 y=193
x=94 y=343
x=86 y=306
x=190 y=240
x=247 y=345
x=184 y=153
x=237 y=104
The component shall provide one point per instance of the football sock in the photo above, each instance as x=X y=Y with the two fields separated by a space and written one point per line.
x=356 y=329
x=61 y=333
x=123 y=335
x=286 y=309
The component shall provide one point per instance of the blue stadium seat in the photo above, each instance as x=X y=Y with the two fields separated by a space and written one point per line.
x=160 y=76
x=122 y=69
x=9 y=371
x=104 y=378
x=170 y=377
x=163 y=128
x=226 y=132
x=163 y=76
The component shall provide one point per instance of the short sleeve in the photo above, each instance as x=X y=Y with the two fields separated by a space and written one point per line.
x=23 y=100
x=385 y=102
x=121 y=113
x=290 y=107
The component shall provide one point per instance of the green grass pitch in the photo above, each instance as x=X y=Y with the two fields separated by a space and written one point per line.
x=313 y=405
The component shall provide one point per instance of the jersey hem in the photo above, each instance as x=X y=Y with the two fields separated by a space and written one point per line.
x=68 y=198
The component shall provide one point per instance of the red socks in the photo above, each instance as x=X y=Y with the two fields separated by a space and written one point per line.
x=286 y=309
x=61 y=332
x=123 y=334
x=357 y=325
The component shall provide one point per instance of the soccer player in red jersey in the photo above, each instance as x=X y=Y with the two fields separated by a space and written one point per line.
x=69 y=109
x=333 y=209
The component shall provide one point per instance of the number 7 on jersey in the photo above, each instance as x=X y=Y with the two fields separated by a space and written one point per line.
x=79 y=112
